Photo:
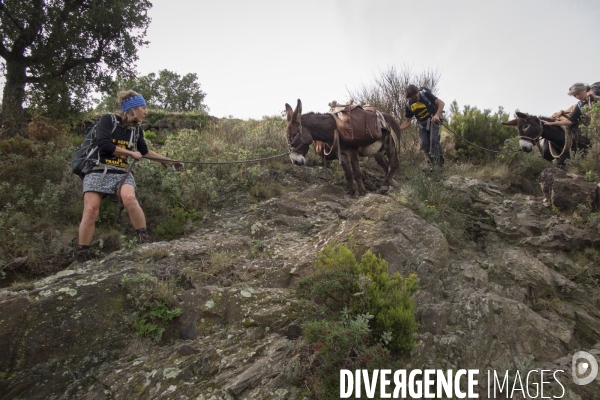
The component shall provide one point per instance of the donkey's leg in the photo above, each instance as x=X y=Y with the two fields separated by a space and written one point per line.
x=354 y=161
x=560 y=162
x=348 y=175
x=394 y=165
x=380 y=158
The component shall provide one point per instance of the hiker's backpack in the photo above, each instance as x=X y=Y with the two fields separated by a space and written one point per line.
x=79 y=164
x=431 y=107
x=596 y=88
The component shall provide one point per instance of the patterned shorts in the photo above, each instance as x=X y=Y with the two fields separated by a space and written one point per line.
x=94 y=182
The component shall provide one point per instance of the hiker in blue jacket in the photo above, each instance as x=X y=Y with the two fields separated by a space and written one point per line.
x=118 y=137
x=427 y=109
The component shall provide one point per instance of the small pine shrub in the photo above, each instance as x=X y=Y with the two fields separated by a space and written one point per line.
x=388 y=297
x=333 y=281
x=367 y=312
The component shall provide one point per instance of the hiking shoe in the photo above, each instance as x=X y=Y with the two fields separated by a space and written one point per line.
x=428 y=169
x=143 y=237
x=83 y=255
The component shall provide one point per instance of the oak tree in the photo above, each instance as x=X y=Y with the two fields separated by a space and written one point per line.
x=56 y=49
x=168 y=90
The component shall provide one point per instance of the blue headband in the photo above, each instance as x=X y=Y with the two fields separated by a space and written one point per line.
x=132 y=102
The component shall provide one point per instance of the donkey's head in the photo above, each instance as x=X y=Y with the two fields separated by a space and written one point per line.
x=298 y=141
x=530 y=130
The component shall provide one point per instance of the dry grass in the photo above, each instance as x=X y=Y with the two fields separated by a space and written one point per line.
x=219 y=261
x=155 y=253
x=493 y=171
x=215 y=269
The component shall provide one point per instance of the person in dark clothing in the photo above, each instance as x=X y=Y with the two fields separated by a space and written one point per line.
x=118 y=137
x=427 y=109
x=586 y=96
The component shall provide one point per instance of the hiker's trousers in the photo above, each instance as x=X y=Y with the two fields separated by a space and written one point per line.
x=429 y=135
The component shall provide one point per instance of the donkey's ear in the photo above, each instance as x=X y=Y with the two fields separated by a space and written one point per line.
x=512 y=122
x=288 y=112
x=297 y=111
x=521 y=115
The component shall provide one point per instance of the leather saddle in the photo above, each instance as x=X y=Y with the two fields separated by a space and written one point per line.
x=356 y=125
x=563 y=114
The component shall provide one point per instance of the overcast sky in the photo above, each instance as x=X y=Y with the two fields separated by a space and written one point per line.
x=252 y=57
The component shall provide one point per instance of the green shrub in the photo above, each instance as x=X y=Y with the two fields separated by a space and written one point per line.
x=174 y=226
x=334 y=281
x=345 y=344
x=593 y=221
x=590 y=176
x=388 y=297
x=482 y=128
x=367 y=312
x=150 y=135
x=592 y=131
x=340 y=282
x=158 y=310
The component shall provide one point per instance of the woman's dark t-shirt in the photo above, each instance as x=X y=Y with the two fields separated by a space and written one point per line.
x=123 y=137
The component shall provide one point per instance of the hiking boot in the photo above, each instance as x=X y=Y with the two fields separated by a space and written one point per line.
x=83 y=255
x=427 y=169
x=143 y=236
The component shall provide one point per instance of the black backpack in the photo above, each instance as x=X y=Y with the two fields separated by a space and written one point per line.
x=79 y=166
x=431 y=107
x=596 y=88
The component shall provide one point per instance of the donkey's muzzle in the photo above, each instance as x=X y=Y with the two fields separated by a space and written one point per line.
x=526 y=146
x=297 y=159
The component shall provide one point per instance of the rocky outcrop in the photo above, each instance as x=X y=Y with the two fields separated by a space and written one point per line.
x=518 y=291
x=567 y=191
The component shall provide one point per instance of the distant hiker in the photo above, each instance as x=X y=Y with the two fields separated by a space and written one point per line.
x=118 y=137
x=427 y=109
x=586 y=96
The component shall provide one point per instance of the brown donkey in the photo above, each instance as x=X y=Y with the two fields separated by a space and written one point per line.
x=302 y=130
